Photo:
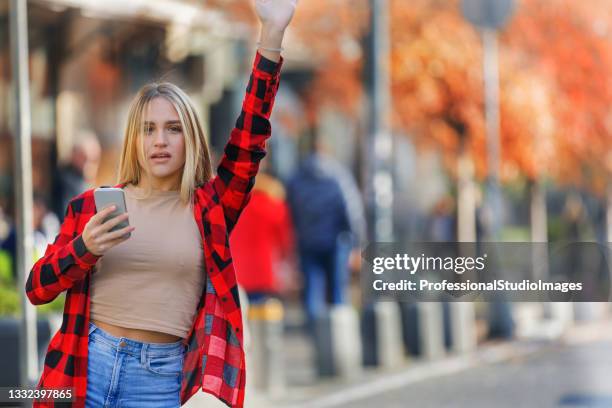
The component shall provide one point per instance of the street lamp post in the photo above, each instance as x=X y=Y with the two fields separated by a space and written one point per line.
x=380 y=320
x=28 y=356
x=380 y=143
x=489 y=16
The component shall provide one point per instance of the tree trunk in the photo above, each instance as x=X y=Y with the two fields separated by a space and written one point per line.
x=539 y=219
x=466 y=198
x=462 y=314
x=539 y=228
x=609 y=215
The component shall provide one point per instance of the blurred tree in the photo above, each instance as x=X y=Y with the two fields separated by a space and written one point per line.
x=569 y=42
x=328 y=33
x=557 y=50
x=438 y=90
x=555 y=85
x=436 y=66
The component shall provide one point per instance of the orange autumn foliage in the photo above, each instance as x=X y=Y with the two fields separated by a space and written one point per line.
x=555 y=61
x=439 y=91
x=569 y=42
x=329 y=31
x=436 y=77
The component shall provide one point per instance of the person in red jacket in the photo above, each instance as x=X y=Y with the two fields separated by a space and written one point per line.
x=153 y=316
x=263 y=241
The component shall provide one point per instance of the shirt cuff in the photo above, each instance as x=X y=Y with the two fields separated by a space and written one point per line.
x=261 y=63
x=82 y=254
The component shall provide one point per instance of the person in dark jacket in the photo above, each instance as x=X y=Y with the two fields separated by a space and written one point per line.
x=327 y=212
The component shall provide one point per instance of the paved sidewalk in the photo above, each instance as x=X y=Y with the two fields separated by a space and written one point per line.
x=384 y=389
x=570 y=372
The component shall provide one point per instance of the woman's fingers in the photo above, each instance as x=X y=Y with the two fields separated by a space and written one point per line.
x=120 y=234
x=101 y=229
x=109 y=240
x=99 y=217
x=108 y=245
x=97 y=235
x=108 y=225
x=275 y=13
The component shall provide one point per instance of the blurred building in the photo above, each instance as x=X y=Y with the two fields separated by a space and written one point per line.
x=88 y=58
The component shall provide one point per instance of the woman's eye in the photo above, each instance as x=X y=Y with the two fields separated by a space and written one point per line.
x=148 y=129
x=175 y=129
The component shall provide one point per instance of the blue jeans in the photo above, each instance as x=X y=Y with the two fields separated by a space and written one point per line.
x=260 y=297
x=326 y=278
x=126 y=373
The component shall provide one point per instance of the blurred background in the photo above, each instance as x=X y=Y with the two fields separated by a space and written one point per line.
x=428 y=120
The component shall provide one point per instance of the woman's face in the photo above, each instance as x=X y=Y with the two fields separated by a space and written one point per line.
x=164 y=143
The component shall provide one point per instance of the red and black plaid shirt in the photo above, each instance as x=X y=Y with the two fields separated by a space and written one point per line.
x=214 y=360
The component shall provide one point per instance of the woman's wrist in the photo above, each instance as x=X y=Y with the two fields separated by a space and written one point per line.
x=270 y=42
x=82 y=251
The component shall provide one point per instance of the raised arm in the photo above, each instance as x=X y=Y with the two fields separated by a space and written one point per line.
x=246 y=146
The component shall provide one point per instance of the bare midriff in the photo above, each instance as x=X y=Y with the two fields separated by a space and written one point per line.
x=145 y=336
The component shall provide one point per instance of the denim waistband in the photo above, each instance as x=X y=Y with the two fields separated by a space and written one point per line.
x=135 y=347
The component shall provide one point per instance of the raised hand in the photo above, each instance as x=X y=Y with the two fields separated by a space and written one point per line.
x=275 y=14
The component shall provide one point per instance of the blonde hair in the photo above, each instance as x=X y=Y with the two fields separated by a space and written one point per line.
x=197 y=169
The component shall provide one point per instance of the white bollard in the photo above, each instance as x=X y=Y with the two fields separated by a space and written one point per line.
x=462 y=326
x=346 y=340
x=561 y=312
x=388 y=333
x=528 y=316
x=431 y=330
x=266 y=347
x=589 y=311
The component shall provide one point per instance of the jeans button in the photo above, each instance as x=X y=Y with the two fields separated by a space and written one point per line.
x=122 y=344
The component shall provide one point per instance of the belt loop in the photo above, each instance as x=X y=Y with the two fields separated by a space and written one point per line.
x=143 y=353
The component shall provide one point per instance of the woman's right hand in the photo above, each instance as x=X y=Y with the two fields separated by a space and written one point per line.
x=97 y=235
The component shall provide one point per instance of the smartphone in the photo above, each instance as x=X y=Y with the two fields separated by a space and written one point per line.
x=106 y=196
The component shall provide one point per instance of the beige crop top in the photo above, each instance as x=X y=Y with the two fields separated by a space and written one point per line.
x=153 y=280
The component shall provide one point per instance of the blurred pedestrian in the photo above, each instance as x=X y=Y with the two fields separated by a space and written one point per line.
x=575 y=229
x=45 y=227
x=7 y=247
x=262 y=242
x=78 y=174
x=329 y=221
x=152 y=312
x=442 y=225
x=576 y=224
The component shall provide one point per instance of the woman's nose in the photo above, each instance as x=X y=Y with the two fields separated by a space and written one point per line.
x=160 y=138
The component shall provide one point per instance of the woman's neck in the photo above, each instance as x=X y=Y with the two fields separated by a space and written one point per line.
x=158 y=185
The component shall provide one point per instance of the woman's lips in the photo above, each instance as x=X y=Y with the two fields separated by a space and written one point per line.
x=161 y=159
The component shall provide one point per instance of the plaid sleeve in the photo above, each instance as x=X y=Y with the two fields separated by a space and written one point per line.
x=246 y=146
x=65 y=261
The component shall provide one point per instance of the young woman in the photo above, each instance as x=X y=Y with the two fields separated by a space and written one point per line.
x=153 y=316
